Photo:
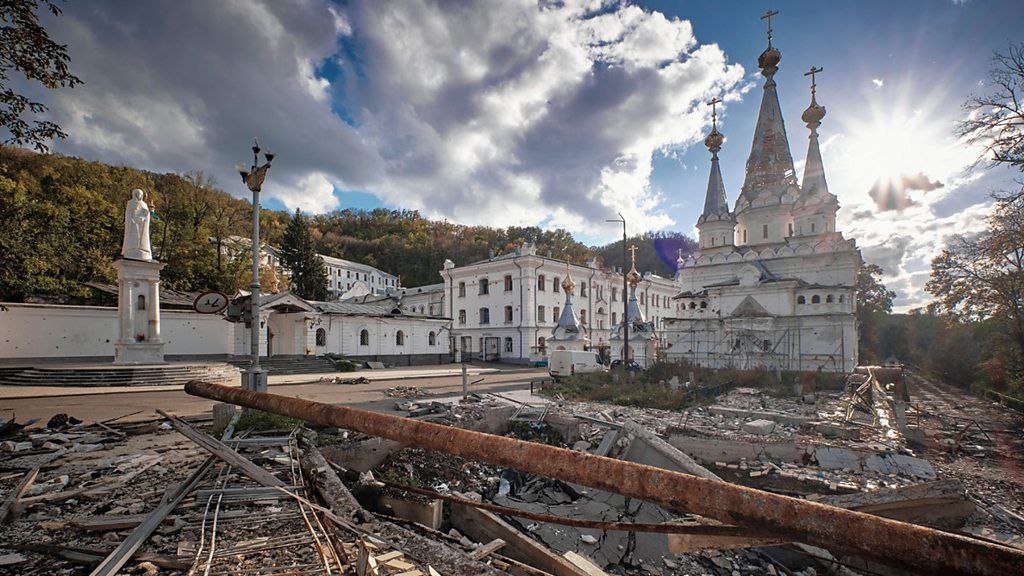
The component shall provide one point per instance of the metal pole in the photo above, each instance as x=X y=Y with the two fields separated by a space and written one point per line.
x=916 y=548
x=465 y=381
x=625 y=299
x=254 y=298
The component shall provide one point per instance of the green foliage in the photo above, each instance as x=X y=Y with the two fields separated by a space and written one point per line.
x=259 y=421
x=26 y=48
x=299 y=255
x=656 y=252
x=341 y=364
x=874 y=303
x=62 y=220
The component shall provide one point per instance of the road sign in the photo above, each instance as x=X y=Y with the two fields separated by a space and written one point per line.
x=210 y=302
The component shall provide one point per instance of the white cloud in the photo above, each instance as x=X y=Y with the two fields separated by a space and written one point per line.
x=878 y=82
x=514 y=112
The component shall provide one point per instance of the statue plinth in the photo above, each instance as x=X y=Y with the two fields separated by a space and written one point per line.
x=138 y=313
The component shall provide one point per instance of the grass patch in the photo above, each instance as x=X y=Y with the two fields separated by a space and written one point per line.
x=653 y=388
x=341 y=364
x=259 y=421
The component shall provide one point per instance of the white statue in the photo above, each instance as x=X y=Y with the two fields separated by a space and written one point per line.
x=136 y=229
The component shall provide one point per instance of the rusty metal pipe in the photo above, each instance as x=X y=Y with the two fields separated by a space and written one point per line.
x=916 y=548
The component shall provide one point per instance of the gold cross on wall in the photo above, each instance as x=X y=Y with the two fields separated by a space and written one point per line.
x=768 y=16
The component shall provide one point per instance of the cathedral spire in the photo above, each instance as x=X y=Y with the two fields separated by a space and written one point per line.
x=715 y=202
x=770 y=164
x=568 y=327
x=813 y=183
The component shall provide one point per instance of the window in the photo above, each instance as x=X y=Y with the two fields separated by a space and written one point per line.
x=583 y=316
x=643 y=298
x=615 y=318
x=542 y=283
x=508 y=314
x=815 y=299
x=541 y=317
x=364 y=337
x=766 y=345
x=462 y=289
x=812 y=227
x=508 y=345
x=462 y=316
x=432 y=339
x=790 y=228
x=842 y=298
x=764 y=231
x=583 y=289
x=508 y=282
x=541 y=343
x=693 y=305
x=615 y=294
x=555 y=314
x=485 y=286
x=801 y=300
x=321 y=337
x=703 y=304
x=555 y=284
x=140 y=304
x=829 y=299
x=399 y=338
x=712 y=240
x=744 y=236
x=485 y=316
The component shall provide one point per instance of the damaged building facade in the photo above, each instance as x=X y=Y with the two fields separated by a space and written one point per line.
x=772 y=283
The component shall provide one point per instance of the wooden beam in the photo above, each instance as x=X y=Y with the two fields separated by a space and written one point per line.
x=10 y=504
x=223 y=451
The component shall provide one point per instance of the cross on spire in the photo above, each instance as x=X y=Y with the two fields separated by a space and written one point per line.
x=768 y=16
x=632 y=252
x=811 y=73
x=714 y=111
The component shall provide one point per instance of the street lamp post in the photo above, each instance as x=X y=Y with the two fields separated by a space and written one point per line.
x=255 y=378
x=625 y=290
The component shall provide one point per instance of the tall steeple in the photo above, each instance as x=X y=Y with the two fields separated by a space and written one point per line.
x=813 y=184
x=715 y=202
x=770 y=164
x=568 y=327
x=634 y=314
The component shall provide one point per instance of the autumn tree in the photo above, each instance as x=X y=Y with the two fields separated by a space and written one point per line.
x=27 y=49
x=995 y=118
x=981 y=277
x=874 y=302
x=298 y=254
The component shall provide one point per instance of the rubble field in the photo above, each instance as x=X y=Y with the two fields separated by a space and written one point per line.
x=262 y=495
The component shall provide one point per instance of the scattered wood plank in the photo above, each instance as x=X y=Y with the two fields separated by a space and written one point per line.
x=390 y=556
x=397 y=564
x=584 y=563
x=117 y=559
x=11 y=503
x=223 y=451
x=487 y=549
x=91 y=556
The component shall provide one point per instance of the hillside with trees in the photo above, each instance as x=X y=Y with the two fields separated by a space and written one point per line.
x=62 y=221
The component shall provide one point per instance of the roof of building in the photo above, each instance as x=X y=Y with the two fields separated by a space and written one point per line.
x=341 y=262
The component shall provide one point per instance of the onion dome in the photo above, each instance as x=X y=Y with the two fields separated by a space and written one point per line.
x=769 y=60
x=568 y=284
x=714 y=140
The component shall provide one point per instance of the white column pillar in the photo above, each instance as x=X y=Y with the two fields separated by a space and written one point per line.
x=153 y=310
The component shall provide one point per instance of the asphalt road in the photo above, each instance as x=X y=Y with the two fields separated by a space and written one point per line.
x=96 y=405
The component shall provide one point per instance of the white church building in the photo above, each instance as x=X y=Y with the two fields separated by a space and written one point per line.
x=773 y=282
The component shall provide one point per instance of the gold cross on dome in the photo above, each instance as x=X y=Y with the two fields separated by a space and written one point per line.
x=768 y=16
x=714 y=111
x=811 y=73
x=632 y=251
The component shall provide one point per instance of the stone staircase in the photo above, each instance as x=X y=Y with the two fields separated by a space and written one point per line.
x=110 y=375
x=290 y=364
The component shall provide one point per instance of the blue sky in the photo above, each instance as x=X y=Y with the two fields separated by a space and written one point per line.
x=550 y=114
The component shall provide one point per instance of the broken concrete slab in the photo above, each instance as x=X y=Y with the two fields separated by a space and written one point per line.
x=759 y=427
x=429 y=513
x=790 y=419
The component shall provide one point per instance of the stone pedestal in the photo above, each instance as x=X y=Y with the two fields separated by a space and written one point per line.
x=138 y=313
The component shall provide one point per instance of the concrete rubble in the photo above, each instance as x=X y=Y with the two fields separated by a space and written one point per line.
x=99 y=497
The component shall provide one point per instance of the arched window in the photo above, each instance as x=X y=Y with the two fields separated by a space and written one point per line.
x=321 y=337
x=364 y=337
x=712 y=240
x=556 y=284
x=508 y=314
x=485 y=286
x=583 y=288
x=432 y=339
x=692 y=305
x=462 y=289
x=140 y=304
x=615 y=318
x=542 y=283
x=555 y=314
x=816 y=299
x=399 y=338
x=541 y=314
x=703 y=304
x=842 y=298
x=829 y=299
x=485 y=316
x=508 y=282
x=801 y=300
